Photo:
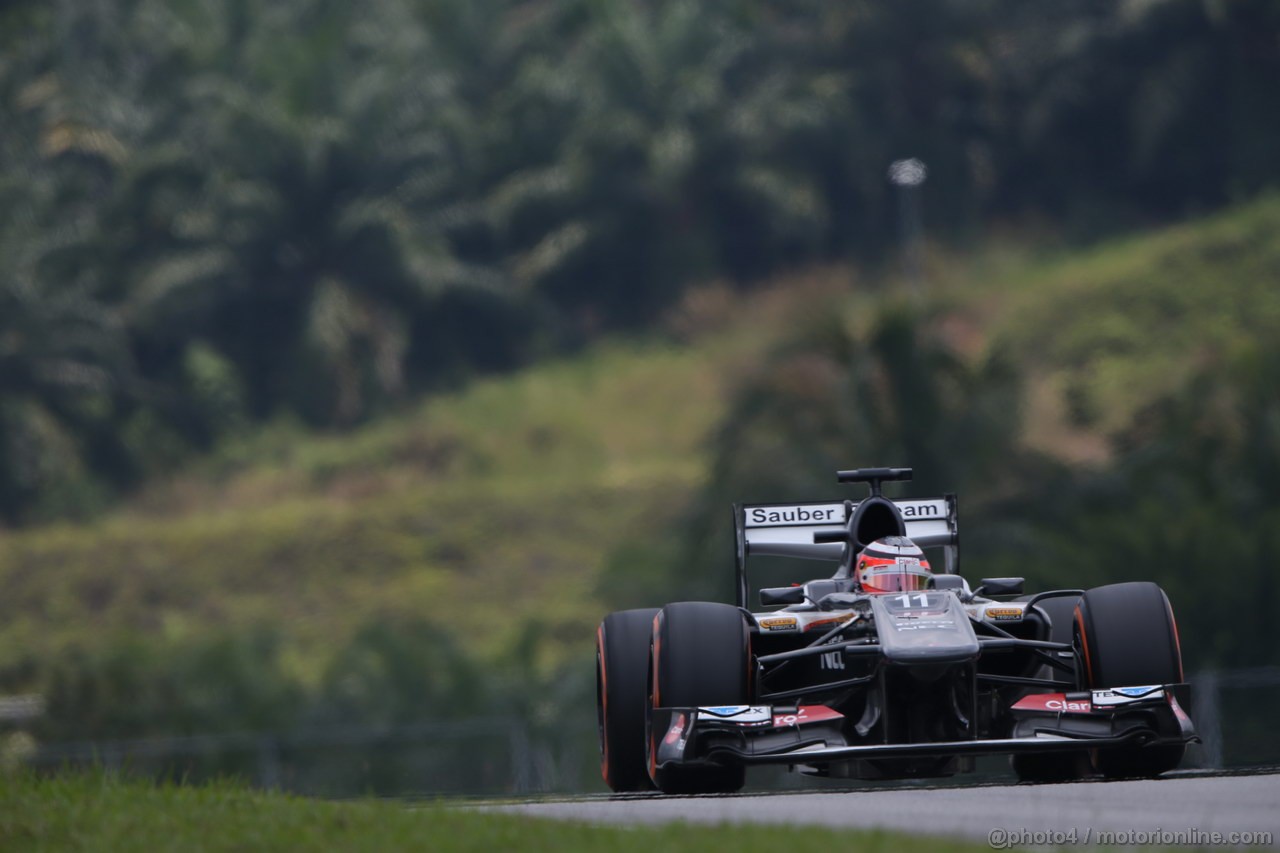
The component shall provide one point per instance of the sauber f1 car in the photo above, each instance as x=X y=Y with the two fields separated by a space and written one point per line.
x=887 y=669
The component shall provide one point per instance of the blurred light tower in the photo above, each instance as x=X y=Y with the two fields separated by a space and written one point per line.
x=907 y=176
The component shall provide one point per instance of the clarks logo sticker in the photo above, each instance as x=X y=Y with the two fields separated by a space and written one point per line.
x=1068 y=705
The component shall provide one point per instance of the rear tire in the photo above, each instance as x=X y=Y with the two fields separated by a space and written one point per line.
x=1128 y=638
x=701 y=655
x=622 y=682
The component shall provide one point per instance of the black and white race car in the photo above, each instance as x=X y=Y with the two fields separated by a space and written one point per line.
x=887 y=669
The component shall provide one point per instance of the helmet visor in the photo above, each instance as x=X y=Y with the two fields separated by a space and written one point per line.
x=897 y=577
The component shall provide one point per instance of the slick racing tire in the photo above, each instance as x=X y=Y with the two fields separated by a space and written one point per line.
x=700 y=655
x=1127 y=637
x=622 y=682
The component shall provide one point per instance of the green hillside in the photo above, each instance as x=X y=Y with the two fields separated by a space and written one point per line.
x=486 y=508
x=498 y=504
x=1108 y=331
x=478 y=510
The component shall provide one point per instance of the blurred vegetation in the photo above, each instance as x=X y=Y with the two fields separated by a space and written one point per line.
x=491 y=506
x=354 y=360
x=432 y=567
x=213 y=214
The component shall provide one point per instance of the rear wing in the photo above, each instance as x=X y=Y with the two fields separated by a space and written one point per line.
x=787 y=530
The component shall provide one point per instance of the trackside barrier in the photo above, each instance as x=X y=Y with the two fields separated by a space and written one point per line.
x=277 y=760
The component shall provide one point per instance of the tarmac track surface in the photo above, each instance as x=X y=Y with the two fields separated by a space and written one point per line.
x=1179 y=802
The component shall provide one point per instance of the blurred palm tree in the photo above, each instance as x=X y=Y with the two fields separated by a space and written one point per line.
x=303 y=252
x=892 y=392
x=66 y=374
x=668 y=170
x=842 y=394
x=64 y=370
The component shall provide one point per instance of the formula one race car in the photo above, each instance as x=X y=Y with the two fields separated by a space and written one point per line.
x=887 y=669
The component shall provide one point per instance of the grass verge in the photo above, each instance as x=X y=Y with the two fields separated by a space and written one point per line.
x=100 y=812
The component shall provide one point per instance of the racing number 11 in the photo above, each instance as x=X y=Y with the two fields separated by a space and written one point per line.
x=922 y=600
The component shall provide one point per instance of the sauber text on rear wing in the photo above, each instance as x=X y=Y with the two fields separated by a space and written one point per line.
x=787 y=530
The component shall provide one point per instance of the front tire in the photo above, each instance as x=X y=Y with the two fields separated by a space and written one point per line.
x=622 y=682
x=701 y=655
x=1128 y=637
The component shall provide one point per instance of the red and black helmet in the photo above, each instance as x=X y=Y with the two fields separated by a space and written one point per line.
x=892 y=564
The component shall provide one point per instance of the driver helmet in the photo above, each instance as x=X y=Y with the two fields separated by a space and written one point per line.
x=892 y=564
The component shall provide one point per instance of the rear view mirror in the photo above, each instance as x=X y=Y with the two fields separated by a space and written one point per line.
x=999 y=586
x=948 y=582
x=781 y=595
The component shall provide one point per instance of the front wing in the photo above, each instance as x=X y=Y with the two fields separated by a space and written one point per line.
x=815 y=734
